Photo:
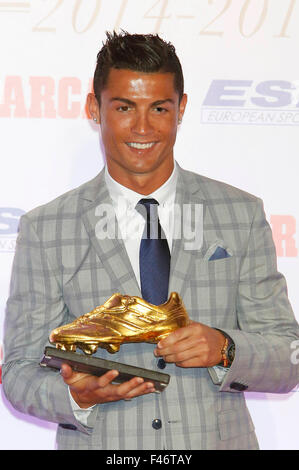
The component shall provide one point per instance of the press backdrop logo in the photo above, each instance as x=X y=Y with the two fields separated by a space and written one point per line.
x=249 y=102
x=9 y=221
x=1 y=359
x=43 y=97
x=285 y=235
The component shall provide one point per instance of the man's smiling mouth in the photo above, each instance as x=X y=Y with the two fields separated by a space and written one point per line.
x=140 y=146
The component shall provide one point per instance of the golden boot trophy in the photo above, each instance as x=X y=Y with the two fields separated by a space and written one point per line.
x=121 y=319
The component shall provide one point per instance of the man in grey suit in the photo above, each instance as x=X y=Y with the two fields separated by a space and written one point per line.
x=242 y=324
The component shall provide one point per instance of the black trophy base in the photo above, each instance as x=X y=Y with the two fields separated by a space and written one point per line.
x=54 y=358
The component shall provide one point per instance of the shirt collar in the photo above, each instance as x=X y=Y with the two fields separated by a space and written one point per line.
x=164 y=195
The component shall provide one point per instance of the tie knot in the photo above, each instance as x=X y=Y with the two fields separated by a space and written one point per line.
x=148 y=208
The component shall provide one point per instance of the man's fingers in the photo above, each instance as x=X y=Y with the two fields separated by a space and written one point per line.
x=183 y=356
x=178 y=335
x=177 y=347
x=134 y=387
x=107 y=378
x=72 y=378
x=69 y=376
x=66 y=371
x=88 y=389
x=126 y=388
x=142 y=389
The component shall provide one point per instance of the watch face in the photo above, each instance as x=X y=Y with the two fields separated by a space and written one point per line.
x=231 y=353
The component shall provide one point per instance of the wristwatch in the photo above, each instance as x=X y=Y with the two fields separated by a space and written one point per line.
x=227 y=351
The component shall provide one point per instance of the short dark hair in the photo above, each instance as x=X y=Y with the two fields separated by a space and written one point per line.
x=146 y=53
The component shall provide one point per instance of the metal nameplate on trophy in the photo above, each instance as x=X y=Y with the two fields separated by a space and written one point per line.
x=54 y=358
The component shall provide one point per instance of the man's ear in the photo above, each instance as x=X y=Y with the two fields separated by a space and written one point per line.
x=93 y=107
x=182 y=106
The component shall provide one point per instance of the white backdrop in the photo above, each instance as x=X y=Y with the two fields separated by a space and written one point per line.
x=241 y=126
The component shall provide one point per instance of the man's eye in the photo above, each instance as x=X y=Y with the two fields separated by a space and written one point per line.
x=123 y=109
x=160 y=110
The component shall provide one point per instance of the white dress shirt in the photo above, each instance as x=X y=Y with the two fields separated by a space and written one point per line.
x=131 y=222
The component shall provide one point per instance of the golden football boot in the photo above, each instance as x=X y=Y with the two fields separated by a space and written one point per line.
x=121 y=319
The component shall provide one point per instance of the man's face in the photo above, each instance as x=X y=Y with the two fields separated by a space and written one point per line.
x=139 y=115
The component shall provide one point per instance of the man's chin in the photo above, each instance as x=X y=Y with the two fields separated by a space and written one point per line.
x=142 y=166
x=150 y=166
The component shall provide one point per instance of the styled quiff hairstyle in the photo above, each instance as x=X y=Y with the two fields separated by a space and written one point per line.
x=146 y=53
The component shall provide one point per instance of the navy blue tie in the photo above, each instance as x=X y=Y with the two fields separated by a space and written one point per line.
x=154 y=255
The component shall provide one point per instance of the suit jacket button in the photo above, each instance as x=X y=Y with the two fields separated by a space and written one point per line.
x=161 y=363
x=68 y=426
x=238 y=386
x=157 y=423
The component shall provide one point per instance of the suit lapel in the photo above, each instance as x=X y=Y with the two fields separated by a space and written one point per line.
x=110 y=249
x=183 y=252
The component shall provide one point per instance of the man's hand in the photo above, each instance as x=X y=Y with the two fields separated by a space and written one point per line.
x=88 y=390
x=195 y=345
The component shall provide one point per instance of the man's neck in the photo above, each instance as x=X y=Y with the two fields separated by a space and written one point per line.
x=142 y=183
x=164 y=193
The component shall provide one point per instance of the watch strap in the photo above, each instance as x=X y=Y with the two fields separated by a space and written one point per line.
x=227 y=350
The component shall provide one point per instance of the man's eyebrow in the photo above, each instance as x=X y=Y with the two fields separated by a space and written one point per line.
x=132 y=103
x=125 y=100
x=168 y=100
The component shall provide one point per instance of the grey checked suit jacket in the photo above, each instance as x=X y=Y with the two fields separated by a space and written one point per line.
x=61 y=270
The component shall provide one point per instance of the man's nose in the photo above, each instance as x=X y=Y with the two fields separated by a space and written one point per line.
x=142 y=124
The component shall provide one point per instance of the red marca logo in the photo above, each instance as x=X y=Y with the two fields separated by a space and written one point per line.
x=44 y=97
x=1 y=358
x=284 y=231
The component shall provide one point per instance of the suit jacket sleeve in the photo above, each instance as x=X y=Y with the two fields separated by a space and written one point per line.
x=35 y=307
x=267 y=325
